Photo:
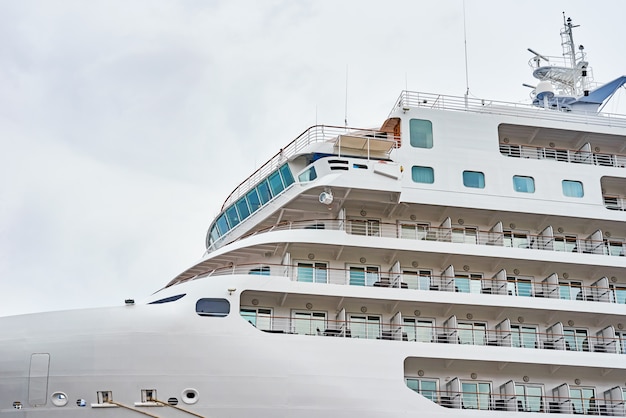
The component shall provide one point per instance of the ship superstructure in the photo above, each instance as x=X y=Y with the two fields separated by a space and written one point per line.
x=464 y=258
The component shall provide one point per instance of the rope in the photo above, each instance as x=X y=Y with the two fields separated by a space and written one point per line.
x=131 y=409
x=178 y=408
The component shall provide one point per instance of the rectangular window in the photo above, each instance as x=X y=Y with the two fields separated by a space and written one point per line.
x=524 y=184
x=308 y=175
x=312 y=272
x=412 y=230
x=425 y=387
x=417 y=329
x=421 y=174
x=567 y=243
x=253 y=200
x=233 y=216
x=583 y=401
x=363 y=275
x=576 y=339
x=308 y=323
x=365 y=326
x=467 y=282
x=417 y=279
x=264 y=192
x=242 y=208
x=515 y=239
x=285 y=172
x=367 y=227
x=614 y=248
x=524 y=336
x=619 y=293
x=421 y=133
x=474 y=179
x=476 y=395
x=259 y=317
x=222 y=224
x=570 y=290
x=519 y=286
x=473 y=333
x=529 y=397
x=573 y=188
x=276 y=183
x=465 y=234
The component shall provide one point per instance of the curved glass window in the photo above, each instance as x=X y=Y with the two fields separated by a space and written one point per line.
x=308 y=175
x=212 y=307
x=253 y=200
x=232 y=216
x=264 y=192
x=276 y=183
x=167 y=299
x=421 y=133
x=285 y=172
x=242 y=208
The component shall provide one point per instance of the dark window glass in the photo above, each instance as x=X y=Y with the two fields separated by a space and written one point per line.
x=167 y=300
x=276 y=184
x=212 y=307
x=242 y=208
x=260 y=271
x=253 y=200
x=287 y=176
x=222 y=224
x=233 y=216
x=264 y=192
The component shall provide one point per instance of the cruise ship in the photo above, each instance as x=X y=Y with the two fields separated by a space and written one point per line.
x=464 y=258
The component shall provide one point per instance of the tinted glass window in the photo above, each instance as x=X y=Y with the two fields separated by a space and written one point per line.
x=422 y=174
x=421 y=133
x=276 y=184
x=253 y=200
x=264 y=192
x=474 y=179
x=524 y=184
x=242 y=207
x=287 y=176
x=233 y=216
x=573 y=188
x=222 y=224
x=212 y=307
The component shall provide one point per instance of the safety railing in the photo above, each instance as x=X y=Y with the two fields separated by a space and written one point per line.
x=409 y=99
x=563 y=155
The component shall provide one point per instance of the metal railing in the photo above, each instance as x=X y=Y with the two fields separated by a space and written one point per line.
x=563 y=155
x=563 y=242
x=318 y=133
x=438 y=101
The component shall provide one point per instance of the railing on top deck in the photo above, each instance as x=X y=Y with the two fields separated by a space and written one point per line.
x=318 y=133
x=438 y=101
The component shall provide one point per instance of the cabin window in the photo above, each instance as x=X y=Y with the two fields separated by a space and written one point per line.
x=259 y=317
x=418 y=329
x=413 y=230
x=524 y=336
x=365 y=326
x=576 y=339
x=583 y=400
x=474 y=179
x=212 y=307
x=421 y=133
x=308 y=323
x=473 y=333
x=524 y=184
x=421 y=174
x=572 y=188
x=425 y=387
x=529 y=397
x=476 y=395
x=619 y=293
x=467 y=282
x=260 y=271
x=571 y=290
x=417 y=279
x=519 y=286
x=364 y=275
x=312 y=272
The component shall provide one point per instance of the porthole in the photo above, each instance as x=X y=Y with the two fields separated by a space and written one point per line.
x=59 y=399
x=190 y=396
x=81 y=402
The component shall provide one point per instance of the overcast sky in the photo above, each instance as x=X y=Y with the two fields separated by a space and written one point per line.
x=125 y=124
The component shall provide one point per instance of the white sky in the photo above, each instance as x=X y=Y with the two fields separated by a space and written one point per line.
x=125 y=124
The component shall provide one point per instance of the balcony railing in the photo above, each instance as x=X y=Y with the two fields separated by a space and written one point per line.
x=419 y=230
x=410 y=332
x=563 y=155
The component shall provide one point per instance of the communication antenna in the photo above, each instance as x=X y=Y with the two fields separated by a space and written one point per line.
x=345 y=120
x=466 y=66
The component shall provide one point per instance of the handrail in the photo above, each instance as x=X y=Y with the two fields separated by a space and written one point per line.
x=563 y=155
x=445 y=102
x=355 y=328
x=313 y=134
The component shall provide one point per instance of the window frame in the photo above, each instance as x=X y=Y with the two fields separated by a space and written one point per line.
x=431 y=174
x=480 y=179
x=530 y=181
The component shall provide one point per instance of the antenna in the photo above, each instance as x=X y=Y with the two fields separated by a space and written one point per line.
x=345 y=120
x=465 y=44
